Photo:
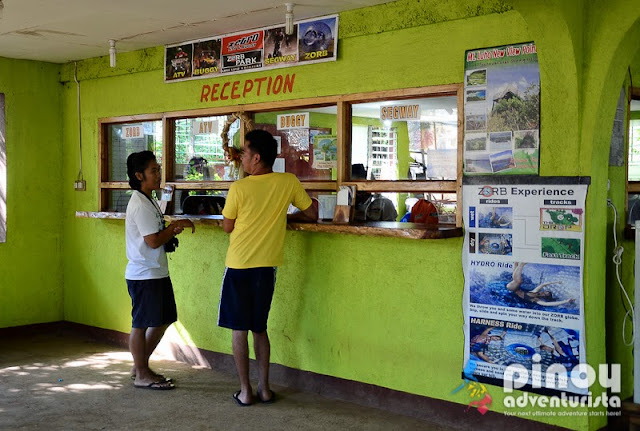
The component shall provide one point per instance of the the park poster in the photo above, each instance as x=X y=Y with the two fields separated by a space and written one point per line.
x=312 y=41
x=502 y=110
x=523 y=268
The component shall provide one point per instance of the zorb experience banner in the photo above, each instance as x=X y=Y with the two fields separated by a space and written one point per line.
x=523 y=269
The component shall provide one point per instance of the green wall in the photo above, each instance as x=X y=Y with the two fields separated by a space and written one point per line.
x=377 y=310
x=30 y=261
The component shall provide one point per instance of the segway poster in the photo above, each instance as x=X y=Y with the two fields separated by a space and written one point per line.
x=314 y=40
x=279 y=47
x=502 y=110
x=523 y=290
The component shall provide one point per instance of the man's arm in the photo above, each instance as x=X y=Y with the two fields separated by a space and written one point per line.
x=308 y=215
x=228 y=224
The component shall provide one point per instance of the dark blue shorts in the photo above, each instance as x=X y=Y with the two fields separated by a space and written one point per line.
x=153 y=303
x=245 y=299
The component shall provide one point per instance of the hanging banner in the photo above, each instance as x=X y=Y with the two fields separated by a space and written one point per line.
x=502 y=110
x=523 y=268
x=312 y=41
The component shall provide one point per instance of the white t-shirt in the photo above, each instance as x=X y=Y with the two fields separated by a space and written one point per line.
x=143 y=218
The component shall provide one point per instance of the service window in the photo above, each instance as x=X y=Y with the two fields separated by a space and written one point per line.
x=199 y=154
x=123 y=139
x=307 y=141
x=404 y=149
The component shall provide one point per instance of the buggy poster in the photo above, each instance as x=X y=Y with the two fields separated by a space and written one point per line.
x=502 y=110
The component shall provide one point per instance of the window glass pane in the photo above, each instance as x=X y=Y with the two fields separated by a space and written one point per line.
x=118 y=200
x=128 y=138
x=199 y=154
x=397 y=206
x=412 y=139
x=199 y=202
x=634 y=208
x=307 y=141
x=634 y=141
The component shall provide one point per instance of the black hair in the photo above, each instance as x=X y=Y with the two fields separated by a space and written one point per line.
x=262 y=142
x=138 y=162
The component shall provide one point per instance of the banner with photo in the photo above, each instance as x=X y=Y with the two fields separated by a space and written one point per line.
x=312 y=41
x=502 y=110
x=523 y=268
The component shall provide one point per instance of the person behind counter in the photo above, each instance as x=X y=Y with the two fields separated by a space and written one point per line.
x=255 y=214
x=147 y=273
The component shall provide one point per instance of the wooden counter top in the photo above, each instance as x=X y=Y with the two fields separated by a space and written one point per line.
x=383 y=228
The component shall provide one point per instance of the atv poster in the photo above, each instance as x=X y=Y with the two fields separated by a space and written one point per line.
x=502 y=110
x=312 y=41
x=523 y=260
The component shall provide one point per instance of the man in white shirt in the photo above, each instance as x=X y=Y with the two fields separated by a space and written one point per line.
x=147 y=273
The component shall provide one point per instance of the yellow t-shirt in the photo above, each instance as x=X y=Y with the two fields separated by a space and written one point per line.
x=259 y=205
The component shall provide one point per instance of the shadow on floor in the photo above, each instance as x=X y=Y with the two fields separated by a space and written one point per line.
x=68 y=382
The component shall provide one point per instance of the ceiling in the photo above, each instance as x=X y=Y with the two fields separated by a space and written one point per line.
x=60 y=31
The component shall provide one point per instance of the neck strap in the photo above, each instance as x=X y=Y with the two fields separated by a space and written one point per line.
x=154 y=204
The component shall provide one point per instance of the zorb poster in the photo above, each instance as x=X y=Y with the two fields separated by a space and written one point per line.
x=502 y=110
x=523 y=269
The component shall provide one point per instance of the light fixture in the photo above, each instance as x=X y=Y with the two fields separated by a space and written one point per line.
x=288 y=19
x=112 y=52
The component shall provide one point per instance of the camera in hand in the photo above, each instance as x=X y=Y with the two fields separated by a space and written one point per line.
x=171 y=245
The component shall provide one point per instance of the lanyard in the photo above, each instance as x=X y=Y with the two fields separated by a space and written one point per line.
x=154 y=205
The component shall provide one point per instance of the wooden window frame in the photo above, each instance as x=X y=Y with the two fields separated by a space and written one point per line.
x=343 y=122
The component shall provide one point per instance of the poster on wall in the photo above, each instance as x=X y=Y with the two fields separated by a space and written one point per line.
x=523 y=269
x=312 y=41
x=325 y=152
x=502 y=110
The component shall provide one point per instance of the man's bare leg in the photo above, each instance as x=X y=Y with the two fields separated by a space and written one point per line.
x=152 y=337
x=137 y=346
x=263 y=352
x=241 y=357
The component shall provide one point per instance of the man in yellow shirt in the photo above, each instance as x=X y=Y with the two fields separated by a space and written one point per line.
x=255 y=214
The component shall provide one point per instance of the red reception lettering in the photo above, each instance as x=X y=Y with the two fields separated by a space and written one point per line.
x=204 y=95
x=277 y=84
x=248 y=86
x=214 y=90
x=234 y=89
x=288 y=83
x=260 y=81
x=224 y=86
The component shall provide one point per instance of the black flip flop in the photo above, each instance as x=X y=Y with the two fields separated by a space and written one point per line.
x=271 y=400
x=164 y=379
x=157 y=386
x=239 y=401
